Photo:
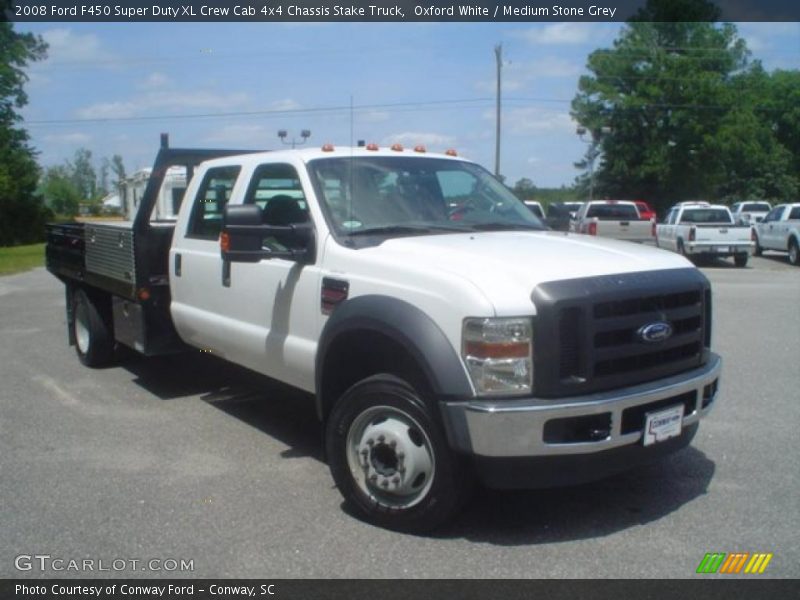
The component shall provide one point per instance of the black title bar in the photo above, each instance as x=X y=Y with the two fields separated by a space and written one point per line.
x=413 y=589
x=371 y=10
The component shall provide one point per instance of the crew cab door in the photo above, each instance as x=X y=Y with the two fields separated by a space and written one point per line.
x=769 y=233
x=260 y=315
x=666 y=231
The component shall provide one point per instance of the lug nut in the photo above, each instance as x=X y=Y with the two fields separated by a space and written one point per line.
x=385 y=483
x=381 y=438
x=393 y=443
x=370 y=442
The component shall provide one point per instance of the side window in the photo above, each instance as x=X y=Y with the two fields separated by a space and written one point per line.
x=671 y=217
x=774 y=214
x=276 y=189
x=215 y=191
x=795 y=214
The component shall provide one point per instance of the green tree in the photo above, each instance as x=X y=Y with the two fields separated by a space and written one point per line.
x=685 y=109
x=22 y=214
x=84 y=176
x=118 y=168
x=524 y=189
x=59 y=190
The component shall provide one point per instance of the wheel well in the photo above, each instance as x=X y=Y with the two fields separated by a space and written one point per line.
x=792 y=240
x=358 y=354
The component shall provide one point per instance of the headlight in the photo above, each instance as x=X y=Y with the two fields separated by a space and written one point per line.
x=499 y=355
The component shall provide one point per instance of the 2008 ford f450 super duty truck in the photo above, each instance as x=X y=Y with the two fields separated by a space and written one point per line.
x=445 y=332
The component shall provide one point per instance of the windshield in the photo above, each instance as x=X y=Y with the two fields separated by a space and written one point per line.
x=404 y=195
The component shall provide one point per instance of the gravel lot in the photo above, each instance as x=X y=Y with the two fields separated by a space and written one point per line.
x=191 y=458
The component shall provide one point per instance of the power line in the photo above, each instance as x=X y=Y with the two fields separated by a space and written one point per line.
x=271 y=112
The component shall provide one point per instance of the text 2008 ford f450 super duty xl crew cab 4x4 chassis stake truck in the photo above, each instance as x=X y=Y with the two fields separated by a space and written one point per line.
x=445 y=332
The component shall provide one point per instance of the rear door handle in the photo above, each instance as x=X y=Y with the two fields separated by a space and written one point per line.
x=177 y=265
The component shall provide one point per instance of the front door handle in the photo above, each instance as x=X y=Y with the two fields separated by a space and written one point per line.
x=177 y=265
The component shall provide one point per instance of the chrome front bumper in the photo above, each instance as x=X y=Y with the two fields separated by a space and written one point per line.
x=515 y=427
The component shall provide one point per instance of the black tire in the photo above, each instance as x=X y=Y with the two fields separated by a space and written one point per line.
x=794 y=253
x=758 y=250
x=682 y=251
x=370 y=430
x=92 y=328
x=740 y=260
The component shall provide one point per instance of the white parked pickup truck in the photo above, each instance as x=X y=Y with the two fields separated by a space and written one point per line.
x=780 y=230
x=618 y=219
x=702 y=230
x=445 y=333
x=751 y=212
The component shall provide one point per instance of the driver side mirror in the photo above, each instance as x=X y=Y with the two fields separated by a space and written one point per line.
x=244 y=237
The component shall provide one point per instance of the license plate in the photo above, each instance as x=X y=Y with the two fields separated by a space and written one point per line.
x=663 y=424
x=721 y=249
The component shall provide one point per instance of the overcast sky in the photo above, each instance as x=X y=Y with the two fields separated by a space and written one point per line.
x=411 y=83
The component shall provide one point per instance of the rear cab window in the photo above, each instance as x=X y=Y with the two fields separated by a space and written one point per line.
x=613 y=212
x=205 y=221
x=706 y=215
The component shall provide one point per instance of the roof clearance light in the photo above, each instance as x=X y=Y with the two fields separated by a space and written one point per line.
x=397 y=147
x=451 y=152
x=372 y=147
x=327 y=148
x=419 y=148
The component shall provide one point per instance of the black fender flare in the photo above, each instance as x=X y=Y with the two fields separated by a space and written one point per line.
x=406 y=325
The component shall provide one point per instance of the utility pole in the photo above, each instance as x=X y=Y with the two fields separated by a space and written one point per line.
x=498 y=53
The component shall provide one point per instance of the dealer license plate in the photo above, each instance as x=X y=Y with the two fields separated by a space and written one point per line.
x=663 y=424
x=722 y=249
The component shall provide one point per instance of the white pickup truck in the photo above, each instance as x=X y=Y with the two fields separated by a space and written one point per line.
x=780 y=230
x=618 y=219
x=702 y=230
x=445 y=333
x=750 y=213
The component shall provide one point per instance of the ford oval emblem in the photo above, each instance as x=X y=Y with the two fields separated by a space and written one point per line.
x=655 y=332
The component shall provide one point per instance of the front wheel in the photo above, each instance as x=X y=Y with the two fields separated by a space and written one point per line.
x=794 y=253
x=740 y=260
x=758 y=251
x=390 y=459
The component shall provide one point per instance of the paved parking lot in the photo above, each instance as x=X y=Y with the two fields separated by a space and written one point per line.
x=191 y=458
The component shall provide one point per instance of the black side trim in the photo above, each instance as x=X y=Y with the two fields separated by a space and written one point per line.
x=408 y=326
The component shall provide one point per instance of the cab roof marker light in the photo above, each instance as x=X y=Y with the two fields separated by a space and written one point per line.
x=451 y=152
x=327 y=147
x=397 y=147
x=373 y=147
x=420 y=148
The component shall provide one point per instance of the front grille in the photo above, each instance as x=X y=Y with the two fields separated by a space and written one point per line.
x=588 y=330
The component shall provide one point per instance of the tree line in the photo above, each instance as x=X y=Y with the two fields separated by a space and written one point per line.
x=676 y=109
x=66 y=187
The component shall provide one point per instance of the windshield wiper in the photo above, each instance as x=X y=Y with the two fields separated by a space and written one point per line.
x=390 y=230
x=498 y=226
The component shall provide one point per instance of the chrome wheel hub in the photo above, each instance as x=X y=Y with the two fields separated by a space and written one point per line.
x=390 y=457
